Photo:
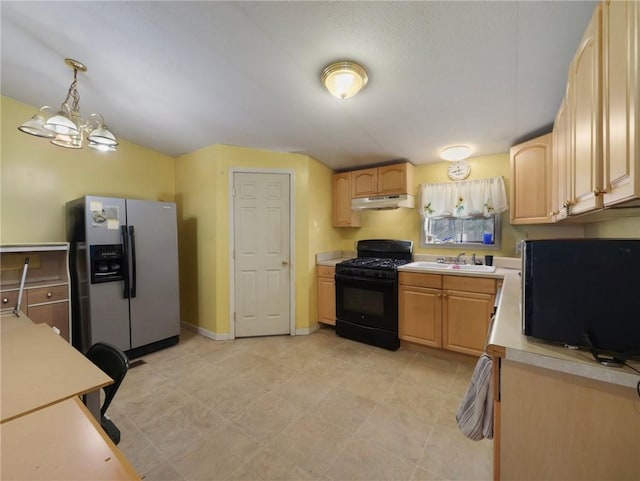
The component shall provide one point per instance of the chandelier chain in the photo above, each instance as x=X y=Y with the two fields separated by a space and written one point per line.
x=73 y=94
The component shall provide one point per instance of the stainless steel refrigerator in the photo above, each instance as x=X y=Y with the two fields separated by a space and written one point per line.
x=124 y=273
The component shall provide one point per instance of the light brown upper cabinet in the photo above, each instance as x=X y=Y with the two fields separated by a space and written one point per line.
x=596 y=153
x=560 y=174
x=364 y=182
x=343 y=215
x=530 y=179
x=585 y=113
x=394 y=179
x=621 y=101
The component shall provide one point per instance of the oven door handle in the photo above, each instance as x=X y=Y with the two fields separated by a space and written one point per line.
x=370 y=280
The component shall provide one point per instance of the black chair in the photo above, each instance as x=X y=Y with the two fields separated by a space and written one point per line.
x=115 y=364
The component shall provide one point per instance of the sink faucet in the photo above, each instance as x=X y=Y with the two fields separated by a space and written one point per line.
x=473 y=259
x=458 y=258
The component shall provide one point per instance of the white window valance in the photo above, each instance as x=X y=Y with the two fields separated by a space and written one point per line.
x=482 y=197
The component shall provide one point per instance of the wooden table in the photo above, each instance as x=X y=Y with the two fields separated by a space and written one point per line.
x=39 y=368
x=62 y=441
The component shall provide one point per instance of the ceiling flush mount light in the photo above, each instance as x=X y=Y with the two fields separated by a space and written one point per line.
x=67 y=128
x=344 y=79
x=456 y=152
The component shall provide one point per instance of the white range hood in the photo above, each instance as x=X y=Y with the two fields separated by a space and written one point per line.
x=383 y=202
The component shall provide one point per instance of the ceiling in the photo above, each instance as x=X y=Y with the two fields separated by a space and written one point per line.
x=177 y=76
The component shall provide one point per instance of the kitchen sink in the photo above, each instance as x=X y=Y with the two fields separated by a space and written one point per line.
x=449 y=267
x=428 y=265
x=472 y=268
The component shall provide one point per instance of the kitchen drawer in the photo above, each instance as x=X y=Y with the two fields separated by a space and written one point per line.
x=326 y=271
x=41 y=295
x=55 y=315
x=8 y=299
x=420 y=280
x=469 y=284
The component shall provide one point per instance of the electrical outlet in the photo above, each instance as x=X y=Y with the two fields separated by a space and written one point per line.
x=519 y=247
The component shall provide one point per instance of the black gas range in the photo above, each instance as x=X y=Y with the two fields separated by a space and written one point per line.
x=367 y=292
x=378 y=267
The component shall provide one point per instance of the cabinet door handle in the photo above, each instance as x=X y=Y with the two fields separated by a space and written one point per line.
x=598 y=192
x=438 y=295
x=5 y=300
x=49 y=295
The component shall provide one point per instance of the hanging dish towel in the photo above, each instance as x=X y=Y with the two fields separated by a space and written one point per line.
x=475 y=414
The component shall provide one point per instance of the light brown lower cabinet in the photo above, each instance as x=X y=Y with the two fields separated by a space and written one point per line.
x=46 y=294
x=452 y=312
x=420 y=308
x=55 y=315
x=326 y=295
x=49 y=305
x=468 y=304
x=556 y=426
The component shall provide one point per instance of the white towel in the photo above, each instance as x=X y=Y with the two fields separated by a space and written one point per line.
x=475 y=414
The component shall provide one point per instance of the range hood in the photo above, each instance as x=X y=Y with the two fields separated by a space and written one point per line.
x=383 y=202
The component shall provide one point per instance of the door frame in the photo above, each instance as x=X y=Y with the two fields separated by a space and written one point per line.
x=292 y=250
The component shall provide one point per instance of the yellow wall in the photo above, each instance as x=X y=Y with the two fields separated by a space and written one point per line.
x=625 y=227
x=321 y=232
x=202 y=192
x=39 y=178
x=405 y=223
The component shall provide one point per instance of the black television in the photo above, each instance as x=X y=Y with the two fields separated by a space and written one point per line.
x=583 y=293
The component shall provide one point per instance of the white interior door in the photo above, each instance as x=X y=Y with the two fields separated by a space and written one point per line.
x=262 y=254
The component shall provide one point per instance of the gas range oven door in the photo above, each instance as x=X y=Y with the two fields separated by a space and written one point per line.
x=367 y=310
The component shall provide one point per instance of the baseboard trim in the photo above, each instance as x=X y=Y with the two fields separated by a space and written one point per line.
x=226 y=336
x=305 y=331
x=207 y=333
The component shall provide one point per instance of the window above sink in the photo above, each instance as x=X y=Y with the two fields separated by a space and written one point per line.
x=455 y=232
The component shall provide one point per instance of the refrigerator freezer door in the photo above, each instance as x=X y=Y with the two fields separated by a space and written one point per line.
x=155 y=309
x=108 y=309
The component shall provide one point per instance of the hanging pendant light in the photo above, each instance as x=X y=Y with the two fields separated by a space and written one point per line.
x=344 y=79
x=68 y=141
x=67 y=127
x=61 y=124
x=101 y=135
x=35 y=125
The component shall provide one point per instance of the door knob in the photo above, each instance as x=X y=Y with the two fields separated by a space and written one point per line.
x=285 y=263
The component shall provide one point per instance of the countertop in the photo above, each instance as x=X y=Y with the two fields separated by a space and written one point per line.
x=332 y=258
x=497 y=274
x=505 y=337
x=507 y=341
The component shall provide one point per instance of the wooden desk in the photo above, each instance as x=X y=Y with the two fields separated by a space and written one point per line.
x=10 y=322
x=39 y=368
x=62 y=441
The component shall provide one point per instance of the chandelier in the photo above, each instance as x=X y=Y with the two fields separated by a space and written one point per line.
x=344 y=79
x=67 y=128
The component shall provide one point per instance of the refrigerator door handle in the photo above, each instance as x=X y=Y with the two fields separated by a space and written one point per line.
x=125 y=254
x=133 y=261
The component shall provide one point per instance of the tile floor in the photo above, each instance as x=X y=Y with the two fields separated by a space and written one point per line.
x=314 y=407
